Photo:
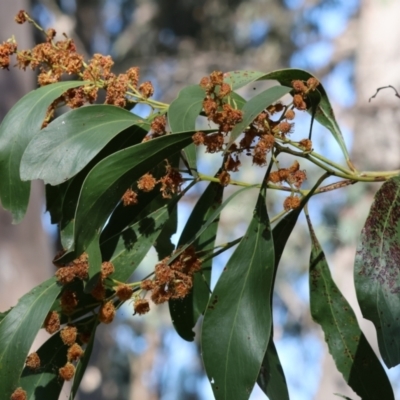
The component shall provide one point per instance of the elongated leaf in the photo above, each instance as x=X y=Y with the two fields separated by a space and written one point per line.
x=94 y=258
x=108 y=180
x=133 y=243
x=82 y=364
x=185 y=109
x=18 y=331
x=376 y=269
x=182 y=115
x=352 y=354
x=45 y=382
x=324 y=113
x=18 y=128
x=272 y=378
x=129 y=137
x=69 y=143
x=255 y=105
x=185 y=312
x=237 y=321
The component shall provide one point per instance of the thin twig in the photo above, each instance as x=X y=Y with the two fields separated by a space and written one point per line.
x=385 y=87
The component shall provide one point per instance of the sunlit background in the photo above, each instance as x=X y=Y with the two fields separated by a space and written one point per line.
x=348 y=44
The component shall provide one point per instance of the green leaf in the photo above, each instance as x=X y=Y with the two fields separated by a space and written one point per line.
x=238 y=79
x=280 y=233
x=129 y=137
x=255 y=105
x=127 y=248
x=353 y=356
x=182 y=115
x=237 y=322
x=69 y=143
x=324 y=112
x=95 y=260
x=54 y=200
x=18 y=331
x=376 y=269
x=45 y=382
x=83 y=363
x=272 y=379
x=185 y=109
x=18 y=128
x=109 y=179
x=185 y=312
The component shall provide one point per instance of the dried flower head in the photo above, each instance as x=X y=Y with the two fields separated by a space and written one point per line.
x=20 y=18
x=299 y=102
x=129 y=198
x=158 y=126
x=18 y=394
x=312 y=83
x=290 y=115
x=141 y=306
x=52 y=322
x=74 y=352
x=107 y=312
x=224 y=178
x=147 y=284
x=198 y=138
x=299 y=86
x=171 y=182
x=285 y=127
x=291 y=203
x=107 y=268
x=67 y=372
x=123 y=291
x=306 y=144
x=232 y=164
x=6 y=50
x=146 y=89
x=33 y=361
x=146 y=182
x=68 y=335
x=68 y=301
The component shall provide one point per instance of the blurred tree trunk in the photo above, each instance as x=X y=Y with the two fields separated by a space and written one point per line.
x=25 y=250
x=376 y=146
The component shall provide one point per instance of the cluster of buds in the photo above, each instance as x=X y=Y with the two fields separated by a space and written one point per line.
x=76 y=269
x=53 y=59
x=301 y=91
x=294 y=177
x=172 y=280
x=171 y=184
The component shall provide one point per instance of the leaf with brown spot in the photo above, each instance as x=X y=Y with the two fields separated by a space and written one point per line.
x=377 y=269
x=353 y=356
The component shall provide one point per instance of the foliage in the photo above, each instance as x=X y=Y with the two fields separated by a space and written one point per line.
x=114 y=181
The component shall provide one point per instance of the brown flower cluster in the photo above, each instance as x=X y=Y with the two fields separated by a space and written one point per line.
x=67 y=372
x=123 y=291
x=77 y=268
x=33 y=361
x=171 y=182
x=18 y=394
x=292 y=175
x=301 y=90
x=69 y=334
x=141 y=306
x=107 y=312
x=291 y=203
x=53 y=59
x=215 y=106
x=173 y=280
x=6 y=50
x=52 y=322
x=129 y=198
